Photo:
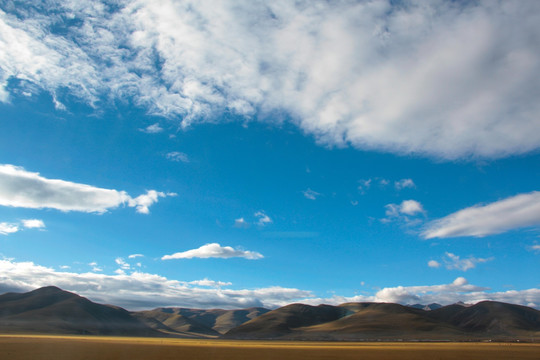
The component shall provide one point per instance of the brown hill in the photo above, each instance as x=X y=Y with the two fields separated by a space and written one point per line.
x=174 y=323
x=52 y=310
x=285 y=320
x=490 y=317
x=370 y=321
x=212 y=322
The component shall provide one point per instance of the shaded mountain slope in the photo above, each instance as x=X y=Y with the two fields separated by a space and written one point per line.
x=210 y=322
x=53 y=310
x=284 y=320
x=490 y=317
x=368 y=321
x=173 y=323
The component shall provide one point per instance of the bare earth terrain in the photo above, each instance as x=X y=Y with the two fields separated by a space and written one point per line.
x=45 y=347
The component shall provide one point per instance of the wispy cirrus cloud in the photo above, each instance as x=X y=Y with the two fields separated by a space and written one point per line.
x=263 y=219
x=177 y=156
x=455 y=262
x=361 y=73
x=22 y=188
x=515 y=212
x=214 y=250
x=311 y=194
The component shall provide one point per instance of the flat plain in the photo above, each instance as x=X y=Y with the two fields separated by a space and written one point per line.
x=45 y=347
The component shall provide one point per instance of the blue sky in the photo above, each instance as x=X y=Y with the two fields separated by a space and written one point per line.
x=238 y=154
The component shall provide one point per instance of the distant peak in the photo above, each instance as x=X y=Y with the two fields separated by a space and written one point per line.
x=50 y=290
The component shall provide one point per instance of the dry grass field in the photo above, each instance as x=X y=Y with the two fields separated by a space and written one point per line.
x=15 y=347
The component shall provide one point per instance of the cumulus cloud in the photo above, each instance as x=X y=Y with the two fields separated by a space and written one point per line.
x=515 y=212
x=134 y=256
x=138 y=290
x=535 y=248
x=363 y=73
x=33 y=223
x=434 y=264
x=214 y=250
x=177 y=156
x=404 y=183
x=152 y=129
x=10 y=228
x=403 y=211
x=21 y=188
x=263 y=218
x=7 y=228
x=310 y=194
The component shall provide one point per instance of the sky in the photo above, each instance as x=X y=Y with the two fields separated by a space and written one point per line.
x=229 y=154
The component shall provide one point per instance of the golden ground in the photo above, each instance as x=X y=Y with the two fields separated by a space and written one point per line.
x=44 y=347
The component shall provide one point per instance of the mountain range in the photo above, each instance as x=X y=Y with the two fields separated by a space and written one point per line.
x=52 y=310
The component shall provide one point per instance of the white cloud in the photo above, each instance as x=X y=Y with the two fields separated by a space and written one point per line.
x=403 y=211
x=122 y=263
x=310 y=194
x=364 y=73
x=10 y=228
x=364 y=185
x=434 y=264
x=404 y=183
x=411 y=207
x=177 y=156
x=214 y=250
x=95 y=267
x=138 y=290
x=143 y=202
x=241 y=223
x=535 y=248
x=133 y=256
x=33 y=223
x=458 y=290
x=21 y=188
x=454 y=262
x=209 y=283
x=481 y=220
x=263 y=218
x=7 y=228
x=153 y=129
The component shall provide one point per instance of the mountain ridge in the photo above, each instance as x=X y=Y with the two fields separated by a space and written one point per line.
x=53 y=310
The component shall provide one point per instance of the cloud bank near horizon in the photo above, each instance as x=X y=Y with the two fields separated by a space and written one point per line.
x=142 y=291
x=366 y=74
